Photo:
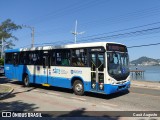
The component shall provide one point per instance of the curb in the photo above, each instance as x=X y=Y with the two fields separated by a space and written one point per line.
x=145 y=86
x=7 y=93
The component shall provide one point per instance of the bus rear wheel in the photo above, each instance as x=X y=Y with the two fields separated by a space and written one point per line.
x=78 y=87
x=26 y=81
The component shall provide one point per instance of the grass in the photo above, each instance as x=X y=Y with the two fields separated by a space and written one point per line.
x=4 y=89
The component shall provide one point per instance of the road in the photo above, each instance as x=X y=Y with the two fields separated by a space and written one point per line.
x=39 y=98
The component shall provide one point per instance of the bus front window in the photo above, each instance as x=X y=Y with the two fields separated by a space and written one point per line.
x=118 y=65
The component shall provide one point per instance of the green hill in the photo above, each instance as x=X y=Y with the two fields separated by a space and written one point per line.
x=146 y=61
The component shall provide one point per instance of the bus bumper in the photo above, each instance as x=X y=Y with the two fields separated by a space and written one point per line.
x=116 y=88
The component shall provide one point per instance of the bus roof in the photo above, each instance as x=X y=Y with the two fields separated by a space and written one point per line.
x=79 y=45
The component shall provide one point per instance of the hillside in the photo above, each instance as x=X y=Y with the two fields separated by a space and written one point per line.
x=146 y=61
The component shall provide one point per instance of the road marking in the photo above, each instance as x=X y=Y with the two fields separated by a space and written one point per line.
x=145 y=94
x=146 y=87
x=109 y=104
x=35 y=90
x=46 y=100
x=78 y=98
x=51 y=93
x=45 y=92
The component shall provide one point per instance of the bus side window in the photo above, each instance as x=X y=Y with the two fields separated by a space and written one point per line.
x=15 y=58
x=79 y=57
x=65 y=62
x=30 y=59
x=74 y=61
x=53 y=58
x=63 y=57
x=66 y=57
x=8 y=58
x=22 y=58
x=58 y=58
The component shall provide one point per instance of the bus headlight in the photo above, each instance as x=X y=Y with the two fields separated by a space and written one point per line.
x=101 y=85
x=111 y=81
x=93 y=85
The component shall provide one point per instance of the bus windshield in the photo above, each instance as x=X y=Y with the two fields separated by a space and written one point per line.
x=118 y=65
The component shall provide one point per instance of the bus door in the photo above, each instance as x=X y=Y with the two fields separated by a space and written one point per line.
x=97 y=71
x=46 y=67
x=15 y=66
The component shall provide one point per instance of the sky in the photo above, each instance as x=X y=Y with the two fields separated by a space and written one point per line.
x=131 y=22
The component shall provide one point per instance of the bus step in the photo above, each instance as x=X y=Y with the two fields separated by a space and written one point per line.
x=46 y=85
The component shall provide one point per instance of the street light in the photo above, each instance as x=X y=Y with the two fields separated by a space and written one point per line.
x=75 y=33
x=32 y=34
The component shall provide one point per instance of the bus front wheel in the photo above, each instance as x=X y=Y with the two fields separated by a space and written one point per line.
x=78 y=87
x=26 y=81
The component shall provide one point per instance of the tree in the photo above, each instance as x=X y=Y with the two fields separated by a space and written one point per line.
x=6 y=31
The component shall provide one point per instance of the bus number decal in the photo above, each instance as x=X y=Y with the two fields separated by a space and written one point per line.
x=57 y=71
x=76 y=72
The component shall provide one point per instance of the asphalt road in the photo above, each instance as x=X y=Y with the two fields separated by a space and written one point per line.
x=39 y=98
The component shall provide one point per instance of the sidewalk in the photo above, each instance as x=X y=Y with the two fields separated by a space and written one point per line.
x=145 y=84
x=5 y=90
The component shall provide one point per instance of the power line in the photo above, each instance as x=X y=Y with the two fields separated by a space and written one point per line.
x=74 y=8
x=122 y=30
x=53 y=12
x=71 y=8
x=150 y=10
x=141 y=26
x=117 y=20
x=139 y=14
x=146 y=45
x=129 y=34
x=122 y=35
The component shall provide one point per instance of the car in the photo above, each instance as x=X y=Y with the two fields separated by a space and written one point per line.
x=1 y=70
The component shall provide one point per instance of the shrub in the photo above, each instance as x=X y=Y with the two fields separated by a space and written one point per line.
x=1 y=61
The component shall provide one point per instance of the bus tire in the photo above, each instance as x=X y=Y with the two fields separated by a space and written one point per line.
x=26 y=81
x=78 y=87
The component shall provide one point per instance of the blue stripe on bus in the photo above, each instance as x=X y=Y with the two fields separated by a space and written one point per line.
x=17 y=72
x=12 y=50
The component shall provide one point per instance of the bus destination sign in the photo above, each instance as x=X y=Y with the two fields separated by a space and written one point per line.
x=116 y=47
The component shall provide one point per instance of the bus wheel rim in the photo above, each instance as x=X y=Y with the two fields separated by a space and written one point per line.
x=25 y=81
x=78 y=87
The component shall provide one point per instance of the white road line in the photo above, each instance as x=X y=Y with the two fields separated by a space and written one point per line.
x=78 y=98
x=52 y=93
x=146 y=87
x=108 y=104
x=146 y=94
x=35 y=90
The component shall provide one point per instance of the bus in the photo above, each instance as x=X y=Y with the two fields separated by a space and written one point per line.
x=99 y=67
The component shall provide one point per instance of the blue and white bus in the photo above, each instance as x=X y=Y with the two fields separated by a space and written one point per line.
x=100 y=67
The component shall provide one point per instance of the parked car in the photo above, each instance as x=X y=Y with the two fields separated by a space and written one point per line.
x=1 y=70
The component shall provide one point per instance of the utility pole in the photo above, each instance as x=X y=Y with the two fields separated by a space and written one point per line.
x=75 y=33
x=32 y=34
